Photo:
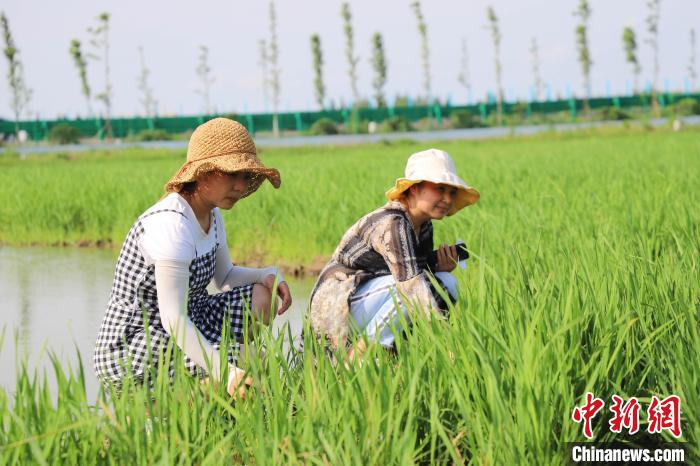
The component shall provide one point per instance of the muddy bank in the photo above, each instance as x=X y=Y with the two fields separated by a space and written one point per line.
x=311 y=270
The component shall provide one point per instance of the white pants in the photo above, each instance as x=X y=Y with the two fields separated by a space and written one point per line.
x=372 y=307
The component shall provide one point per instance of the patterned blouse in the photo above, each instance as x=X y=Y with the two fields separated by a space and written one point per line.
x=382 y=242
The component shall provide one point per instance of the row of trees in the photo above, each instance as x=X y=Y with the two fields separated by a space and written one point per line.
x=630 y=46
x=21 y=94
x=582 y=14
x=98 y=50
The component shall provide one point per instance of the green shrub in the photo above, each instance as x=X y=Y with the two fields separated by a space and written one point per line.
x=64 y=134
x=323 y=126
x=687 y=106
x=614 y=113
x=465 y=119
x=153 y=135
x=355 y=124
x=395 y=124
x=518 y=111
x=425 y=124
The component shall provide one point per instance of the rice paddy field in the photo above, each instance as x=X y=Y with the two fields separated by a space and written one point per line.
x=584 y=277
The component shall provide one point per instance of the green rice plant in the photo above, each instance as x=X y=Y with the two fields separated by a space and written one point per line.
x=495 y=384
x=323 y=126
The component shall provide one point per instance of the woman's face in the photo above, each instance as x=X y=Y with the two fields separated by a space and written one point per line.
x=221 y=189
x=433 y=201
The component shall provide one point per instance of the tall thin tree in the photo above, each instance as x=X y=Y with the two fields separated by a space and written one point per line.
x=692 y=71
x=147 y=100
x=379 y=66
x=496 y=37
x=425 y=50
x=80 y=62
x=272 y=57
x=100 y=52
x=652 y=21
x=21 y=94
x=629 y=42
x=584 y=54
x=203 y=70
x=262 y=63
x=463 y=77
x=350 y=50
x=536 y=75
x=317 y=56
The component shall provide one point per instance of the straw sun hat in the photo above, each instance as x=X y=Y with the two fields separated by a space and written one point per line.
x=437 y=167
x=224 y=145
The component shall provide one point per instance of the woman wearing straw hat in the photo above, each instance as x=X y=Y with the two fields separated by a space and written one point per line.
x=173 y=251
x=385 y=255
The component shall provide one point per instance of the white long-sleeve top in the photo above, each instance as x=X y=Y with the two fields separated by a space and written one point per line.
x=170 y=242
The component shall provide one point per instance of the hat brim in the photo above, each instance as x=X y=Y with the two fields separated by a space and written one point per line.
x=225 y=163
x=466 y=195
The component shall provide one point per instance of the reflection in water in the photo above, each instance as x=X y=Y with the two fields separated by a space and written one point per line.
x=57 y=298
x=25 y=317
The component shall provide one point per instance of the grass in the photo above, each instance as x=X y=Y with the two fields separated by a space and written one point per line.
x=94 y=198
x=584 y=276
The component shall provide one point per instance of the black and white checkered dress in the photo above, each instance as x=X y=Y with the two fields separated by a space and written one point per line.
x=123 y=334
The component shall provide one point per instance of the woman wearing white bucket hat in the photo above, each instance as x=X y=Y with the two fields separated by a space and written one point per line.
x=386 y=254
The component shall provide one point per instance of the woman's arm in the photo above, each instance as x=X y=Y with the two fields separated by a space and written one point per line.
x=395 y=241
x=172 y=281
x=228 y=276
x=168 y=245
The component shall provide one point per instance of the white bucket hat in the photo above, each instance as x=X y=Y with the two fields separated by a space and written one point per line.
x=437 y=167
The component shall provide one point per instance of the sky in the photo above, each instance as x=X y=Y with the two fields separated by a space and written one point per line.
x=171 y=33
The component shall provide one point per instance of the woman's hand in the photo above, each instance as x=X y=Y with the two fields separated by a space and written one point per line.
x=238 y=383
x=446 y=258
x=282 y=291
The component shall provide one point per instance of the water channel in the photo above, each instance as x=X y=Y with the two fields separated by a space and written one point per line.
x=351 y=139
x=55 y=298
